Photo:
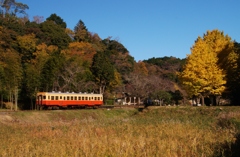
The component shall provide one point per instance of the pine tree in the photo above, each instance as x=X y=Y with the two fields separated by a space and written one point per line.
x=81 y=32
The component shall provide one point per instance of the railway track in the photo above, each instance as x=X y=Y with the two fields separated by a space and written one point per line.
x=122 y=106
x=6 y=111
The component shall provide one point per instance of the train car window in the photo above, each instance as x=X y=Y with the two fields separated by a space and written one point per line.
x=52 y=97
x=64 y=98
x=98 y=98
x=79 y=98
x=92 y=98
x=44 y=97
x=56 y=97
x=60 y=97
x=95 y=98
x=67 y=97
x=75 y=98
x=48 y=97
x=82 y=98
x=86 y=98
x=71 y=97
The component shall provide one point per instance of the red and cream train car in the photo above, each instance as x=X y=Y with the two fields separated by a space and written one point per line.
x=66 y=100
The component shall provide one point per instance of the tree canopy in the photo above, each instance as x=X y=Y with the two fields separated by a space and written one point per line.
x=102 y=70
x=11 y=6
x=57 y=19
x=54 y=34
x=202 y=75
x=81 y=32
x=44 y=55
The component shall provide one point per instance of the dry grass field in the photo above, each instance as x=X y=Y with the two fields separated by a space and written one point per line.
x=153 y=132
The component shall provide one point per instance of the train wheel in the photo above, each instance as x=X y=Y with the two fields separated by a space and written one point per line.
x=55 y=108
x=49 y=108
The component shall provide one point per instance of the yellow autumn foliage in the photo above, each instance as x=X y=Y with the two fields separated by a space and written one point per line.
x=223 y=46
x=202 y=74
x=27 y=42
x=141 y=68
x=117 y=79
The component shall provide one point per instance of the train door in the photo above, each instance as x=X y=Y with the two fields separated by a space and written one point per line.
x=90 y=101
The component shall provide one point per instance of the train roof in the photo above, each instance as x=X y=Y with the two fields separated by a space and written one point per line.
x=66 y=93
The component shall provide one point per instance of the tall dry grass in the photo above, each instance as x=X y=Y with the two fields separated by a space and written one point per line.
x=101 y=133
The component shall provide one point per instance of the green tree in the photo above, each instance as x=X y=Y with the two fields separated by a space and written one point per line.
x=119 y=56
x=13 y=24
x=11 y=6
x=167 y=63
x=201 y=75
x=13 y=74
x=74 y=76
x=54 y=34
x=233 y=76
x=50 y=71
x=26 y=46
x=2 y=81
x=163 y=96
x=81 y=32
x=176 y=96
x=34 y=28
x=8 y=38
x=57 y=19
x=33 y=71
x=103 y=70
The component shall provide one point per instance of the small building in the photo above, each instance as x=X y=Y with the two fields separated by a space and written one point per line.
x=127 y=99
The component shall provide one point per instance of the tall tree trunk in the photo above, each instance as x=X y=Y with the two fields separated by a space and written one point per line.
x=198 y=100
x=218 y=100
x=102 y=88
x=212 y=100
x=202 y=97
x=16 y=98
x=11 y=99
x=1 y=100
x=31 y=103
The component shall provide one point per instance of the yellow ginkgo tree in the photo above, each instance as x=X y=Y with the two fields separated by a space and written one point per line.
x=202 y=76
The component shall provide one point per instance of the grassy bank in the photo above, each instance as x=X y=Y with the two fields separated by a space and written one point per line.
x=164 y=131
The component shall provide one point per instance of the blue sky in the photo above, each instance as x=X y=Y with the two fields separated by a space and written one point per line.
x=147 y=28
